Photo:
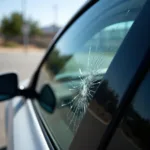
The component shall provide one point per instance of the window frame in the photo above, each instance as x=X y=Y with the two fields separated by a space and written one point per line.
x=110 y=130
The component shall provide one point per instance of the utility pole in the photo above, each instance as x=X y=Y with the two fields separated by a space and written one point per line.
x=55 y=11
x=55 y=15
x=25 y=27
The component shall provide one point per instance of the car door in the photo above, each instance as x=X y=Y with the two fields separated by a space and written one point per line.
x=90 y=69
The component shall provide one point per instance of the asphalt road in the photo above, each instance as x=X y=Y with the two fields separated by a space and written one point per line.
x=24 y=65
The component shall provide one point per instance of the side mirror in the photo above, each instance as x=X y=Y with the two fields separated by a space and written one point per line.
x=47 y=98
x=9 y=89
x=8 y=86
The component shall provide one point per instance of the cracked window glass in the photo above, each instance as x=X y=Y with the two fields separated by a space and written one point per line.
x=78 y=62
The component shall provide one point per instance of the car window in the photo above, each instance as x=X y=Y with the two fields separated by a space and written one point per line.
x=134 y=130
x=79 y=60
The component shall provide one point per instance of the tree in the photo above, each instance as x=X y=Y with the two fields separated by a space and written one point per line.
x=56 y=61
x=12 y=26
x=34 y=29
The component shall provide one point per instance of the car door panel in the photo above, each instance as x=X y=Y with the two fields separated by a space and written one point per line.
x=24 y=131
x=22 y=126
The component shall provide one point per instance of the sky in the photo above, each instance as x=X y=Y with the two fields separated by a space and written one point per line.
x=42 y=10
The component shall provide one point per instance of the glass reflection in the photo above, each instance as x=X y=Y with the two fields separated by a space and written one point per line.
x=134 y=131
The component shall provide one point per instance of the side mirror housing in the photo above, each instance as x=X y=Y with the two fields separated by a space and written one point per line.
x=9 y=89
x=8 y=86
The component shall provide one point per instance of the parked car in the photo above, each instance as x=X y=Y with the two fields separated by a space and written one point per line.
x=91 y=89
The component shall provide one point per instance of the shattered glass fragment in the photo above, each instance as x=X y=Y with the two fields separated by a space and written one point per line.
x=85 y=90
